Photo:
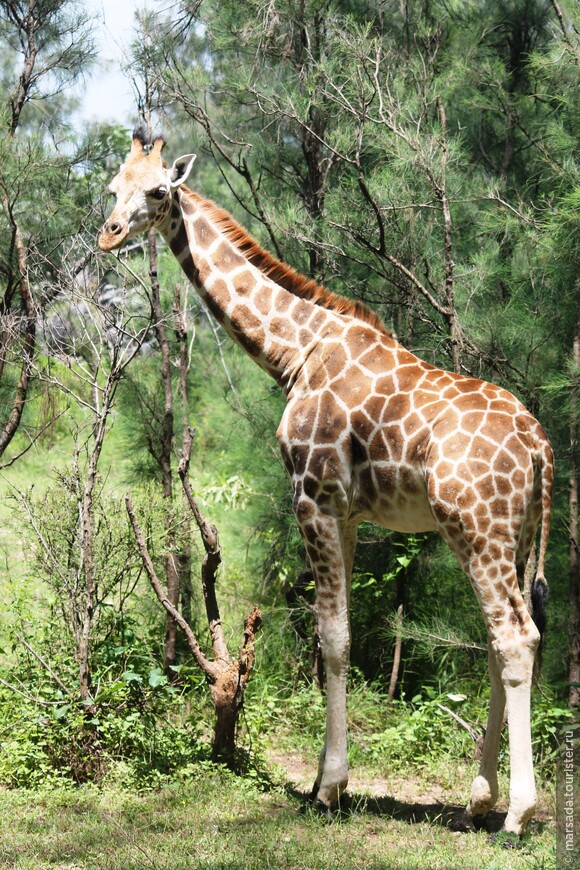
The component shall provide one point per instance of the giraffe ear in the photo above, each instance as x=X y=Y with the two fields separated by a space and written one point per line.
x=181 y=169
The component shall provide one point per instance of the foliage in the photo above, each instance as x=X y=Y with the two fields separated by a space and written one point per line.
x=340 y=132
x=129 y=741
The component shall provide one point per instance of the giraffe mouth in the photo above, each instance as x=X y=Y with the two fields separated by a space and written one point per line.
x=116 y=230
x=112 y=237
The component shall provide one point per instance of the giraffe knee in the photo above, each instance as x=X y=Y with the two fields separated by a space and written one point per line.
x=515 y=658
x=303 y=508
x=334 y=635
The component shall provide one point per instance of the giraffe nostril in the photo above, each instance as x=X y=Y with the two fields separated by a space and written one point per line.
x=115 y=228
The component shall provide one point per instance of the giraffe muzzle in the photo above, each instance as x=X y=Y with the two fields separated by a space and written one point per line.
x=112 y=236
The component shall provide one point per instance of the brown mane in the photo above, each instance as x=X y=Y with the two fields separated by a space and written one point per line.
x=285 y=276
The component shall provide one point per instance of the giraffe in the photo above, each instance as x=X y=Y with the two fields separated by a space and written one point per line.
x=371 y=432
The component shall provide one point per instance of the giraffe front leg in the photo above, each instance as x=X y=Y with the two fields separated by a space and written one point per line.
x=333 y=628
x=330 y=550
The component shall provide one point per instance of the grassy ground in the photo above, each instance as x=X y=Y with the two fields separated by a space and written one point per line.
x=215 y=820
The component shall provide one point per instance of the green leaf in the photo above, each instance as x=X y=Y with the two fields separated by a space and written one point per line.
x=157 y=678
x=60 y=712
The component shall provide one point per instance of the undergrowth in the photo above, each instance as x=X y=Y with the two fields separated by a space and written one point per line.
x=145 y=729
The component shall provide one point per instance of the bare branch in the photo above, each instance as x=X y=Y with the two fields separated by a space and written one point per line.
x=475 y=735
x=204 y=663
x=46 y=666
x=212 y=559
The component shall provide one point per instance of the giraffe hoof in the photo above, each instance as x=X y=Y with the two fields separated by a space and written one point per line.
x=327 y=813
x=313 y=805
x=479 y=823
x=464 y=824
x=320 y=808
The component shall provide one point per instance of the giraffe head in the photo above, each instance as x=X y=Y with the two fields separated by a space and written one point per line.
x=144 y=188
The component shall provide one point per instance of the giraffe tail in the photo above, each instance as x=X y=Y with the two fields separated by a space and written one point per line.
x=539 y=592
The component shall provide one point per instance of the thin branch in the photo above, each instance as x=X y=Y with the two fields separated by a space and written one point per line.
x=207 y=667
x=475 y=736
x=46 y=666
x=218 y=344
x=564 y=28
x=212 y=559
x=37 y=531
x=33 y=440
x=28 y=697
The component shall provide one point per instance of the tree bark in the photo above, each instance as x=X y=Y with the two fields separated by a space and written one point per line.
x=397 y=655
x=449 y=282
x=574 y=561
x=227 y=703
x=12 y=423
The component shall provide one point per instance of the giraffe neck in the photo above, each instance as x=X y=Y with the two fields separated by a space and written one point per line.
x=275 y=326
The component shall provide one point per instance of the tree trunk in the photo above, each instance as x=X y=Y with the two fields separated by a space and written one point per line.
x=164 y=455
x=441 y=193
x=29 y=346
x=397 y=655
x=227 y=699
x=89 y=590
x=574 y=561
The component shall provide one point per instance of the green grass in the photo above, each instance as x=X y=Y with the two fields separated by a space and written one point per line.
x=216 y=820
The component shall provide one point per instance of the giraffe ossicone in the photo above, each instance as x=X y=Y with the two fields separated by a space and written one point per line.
x=371 y=432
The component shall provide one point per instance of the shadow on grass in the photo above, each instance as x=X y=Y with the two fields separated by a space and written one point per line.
x=450 y=816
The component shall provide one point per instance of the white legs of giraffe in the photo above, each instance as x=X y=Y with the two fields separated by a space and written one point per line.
x=511 y=683
x=330 y=545
x=484 y=791
x=488 y=555
x=522 y=803
x=513 y=639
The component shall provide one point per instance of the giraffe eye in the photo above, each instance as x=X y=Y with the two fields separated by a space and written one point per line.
x=157 y=193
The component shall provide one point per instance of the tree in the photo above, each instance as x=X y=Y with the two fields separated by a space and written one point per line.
x=226 y=676
x=557 y=264
x=46 y=46
x=340 y=150
x=98 y=346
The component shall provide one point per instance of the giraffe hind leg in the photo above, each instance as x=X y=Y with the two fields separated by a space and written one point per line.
x=484 y=791
x=513 y=639
x=513 y=642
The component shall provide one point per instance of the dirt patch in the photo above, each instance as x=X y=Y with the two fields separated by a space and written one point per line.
x=408 y=796
x=300 y=773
